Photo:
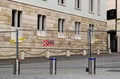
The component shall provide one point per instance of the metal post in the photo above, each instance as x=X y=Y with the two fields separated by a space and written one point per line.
x=89 y=46
x=118 y=44
x=17 y=61
x=116 y=26
x=17 y=42
x=53 y=66
x=16 y=70
x=91 y=61
x=116 y=17
x=92 y=65
x=89 y=42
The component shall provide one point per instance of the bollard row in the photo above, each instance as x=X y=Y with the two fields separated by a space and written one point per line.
x=53 y=66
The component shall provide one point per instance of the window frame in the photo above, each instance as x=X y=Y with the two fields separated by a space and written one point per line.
x=16 y=23
x=41 y=22
x=77 y=27
x=16 y=18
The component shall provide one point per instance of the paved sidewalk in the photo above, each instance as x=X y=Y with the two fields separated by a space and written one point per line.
x=77 y=76
x=101 y=74
x=68 y=68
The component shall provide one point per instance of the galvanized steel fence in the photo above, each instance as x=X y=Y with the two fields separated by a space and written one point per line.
x=34 y=48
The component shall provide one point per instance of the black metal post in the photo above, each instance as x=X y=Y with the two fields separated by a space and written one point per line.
x=17 y=40
x=89 y=47
x=16 y=69
x=116 y=26
x=116 y=16
x=89 y=42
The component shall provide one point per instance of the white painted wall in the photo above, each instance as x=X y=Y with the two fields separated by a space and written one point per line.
x=118 y=9
x=110 y=4
x=70 y=7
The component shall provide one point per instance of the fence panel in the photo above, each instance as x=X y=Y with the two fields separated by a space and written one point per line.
x=36 y=47
x=7 y=52
x=70 y=49
x=101 y=50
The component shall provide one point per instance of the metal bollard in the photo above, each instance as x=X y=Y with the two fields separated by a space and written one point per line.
x=16 y=69
x=92 y=65
x=53 y=66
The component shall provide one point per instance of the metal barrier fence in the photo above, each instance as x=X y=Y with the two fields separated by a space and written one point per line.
x=110 y=57
x=48 y=44
x=34 y=48
x=7 y=52
x=45 y=42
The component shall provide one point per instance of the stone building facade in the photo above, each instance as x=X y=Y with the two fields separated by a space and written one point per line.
x=113 y=25
x=59 y=28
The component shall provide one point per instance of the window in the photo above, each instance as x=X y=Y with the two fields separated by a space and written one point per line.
x=62 y=2
x=111 y=14
x=77 y=30
x=77 y=27
x=19 y=19
x=91 y=27
x=16 y=23
x=91 y=6
x=99 y=7
x=41 y=24
x=61 y=28
x=13 y=17
x=78 y=4
x=16 y=18
x=61 y=24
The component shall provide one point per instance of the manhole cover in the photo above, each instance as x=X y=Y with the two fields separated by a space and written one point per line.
x=113 y=70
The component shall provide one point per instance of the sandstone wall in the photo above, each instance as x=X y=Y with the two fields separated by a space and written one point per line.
x=33 y=44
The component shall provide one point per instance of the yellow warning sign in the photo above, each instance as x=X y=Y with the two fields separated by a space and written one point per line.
x=19 y=40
